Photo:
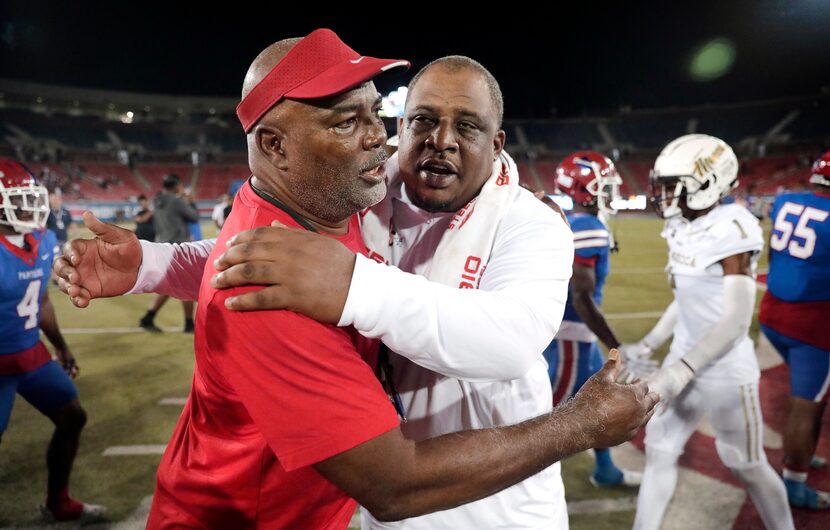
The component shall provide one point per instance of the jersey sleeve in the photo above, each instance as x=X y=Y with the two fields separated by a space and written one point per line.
x=50 y=244
x=174 y=269
x=736 y=232
x=591 y=239
x=776 y=206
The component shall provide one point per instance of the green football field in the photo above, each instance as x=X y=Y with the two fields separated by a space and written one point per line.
x=126 y=374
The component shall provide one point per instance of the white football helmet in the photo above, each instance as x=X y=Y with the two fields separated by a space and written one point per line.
x=24 y=204
x=700 y=168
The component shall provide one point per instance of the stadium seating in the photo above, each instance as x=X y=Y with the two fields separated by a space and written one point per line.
x=214 y=180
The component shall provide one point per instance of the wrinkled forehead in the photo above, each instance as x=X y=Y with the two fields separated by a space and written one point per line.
x=461 y=91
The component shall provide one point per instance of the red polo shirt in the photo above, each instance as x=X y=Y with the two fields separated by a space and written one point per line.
x=273 y=393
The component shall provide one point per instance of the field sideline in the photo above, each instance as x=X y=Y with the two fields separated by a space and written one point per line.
x=126 y=376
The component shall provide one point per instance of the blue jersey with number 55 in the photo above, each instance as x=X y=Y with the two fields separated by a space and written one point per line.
x=24 y=277
x=799 y=269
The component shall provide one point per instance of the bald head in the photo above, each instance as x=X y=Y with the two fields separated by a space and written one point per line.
x=265 y=62
x=262 y=65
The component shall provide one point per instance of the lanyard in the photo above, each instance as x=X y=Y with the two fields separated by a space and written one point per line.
x=276 y=202
x=386 y=376
x=384 y=365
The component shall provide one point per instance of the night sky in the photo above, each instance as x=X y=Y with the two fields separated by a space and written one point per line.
x=588 y=60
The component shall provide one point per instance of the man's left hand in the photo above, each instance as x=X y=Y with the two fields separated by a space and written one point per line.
x=302 y=271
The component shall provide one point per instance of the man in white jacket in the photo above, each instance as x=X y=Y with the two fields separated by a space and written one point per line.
x=468 y=344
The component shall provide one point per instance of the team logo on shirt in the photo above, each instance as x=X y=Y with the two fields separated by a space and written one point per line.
x=682 y=259
x=473 y=269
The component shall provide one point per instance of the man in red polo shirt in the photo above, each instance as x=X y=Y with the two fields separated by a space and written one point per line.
x=265 y=405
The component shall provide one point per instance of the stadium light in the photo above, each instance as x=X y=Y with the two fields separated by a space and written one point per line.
x=565 y=202
x=393 y=103
x=712 y=60
x=633 y=202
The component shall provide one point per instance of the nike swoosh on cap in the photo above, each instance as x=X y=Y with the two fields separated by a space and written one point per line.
x=355 y=61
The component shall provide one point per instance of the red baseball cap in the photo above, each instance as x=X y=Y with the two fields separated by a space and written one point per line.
x=318 y=66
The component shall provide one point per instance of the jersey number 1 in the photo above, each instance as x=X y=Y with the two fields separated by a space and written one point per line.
x=30 y=305
x=801 y=230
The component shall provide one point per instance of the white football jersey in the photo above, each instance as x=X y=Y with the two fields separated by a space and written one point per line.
x=695 y=251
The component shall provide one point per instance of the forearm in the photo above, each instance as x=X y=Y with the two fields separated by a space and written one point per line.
x=475 y=335
x=588 y=311
x=49 y=325
x=174 y=269
x=454 y=469
x=664 y=328
x=518 y=451
x=738 y=303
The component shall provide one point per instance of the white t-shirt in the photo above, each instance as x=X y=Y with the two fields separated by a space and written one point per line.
x=218 y=213
x=695 y=251
x=487 y=343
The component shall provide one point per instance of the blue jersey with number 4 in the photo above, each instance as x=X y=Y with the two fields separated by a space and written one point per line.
x=24 y=277
x=800 y=248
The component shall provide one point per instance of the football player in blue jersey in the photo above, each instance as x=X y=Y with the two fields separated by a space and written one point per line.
x=592 y=181
x=26 y=367
x=793 y=315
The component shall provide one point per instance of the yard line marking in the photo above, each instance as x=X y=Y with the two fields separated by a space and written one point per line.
x=174 y=401
x=638 y=270
x=622 y=504
x=632 y=316
x=81 y=331
x=130 y=450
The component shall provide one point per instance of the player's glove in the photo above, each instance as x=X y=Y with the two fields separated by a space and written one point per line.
x=637 y=362
x=670 y=381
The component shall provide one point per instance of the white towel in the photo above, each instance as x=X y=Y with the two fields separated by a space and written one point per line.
x=465 y=247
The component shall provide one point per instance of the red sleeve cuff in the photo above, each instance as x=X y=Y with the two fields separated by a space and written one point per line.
x=582 y=260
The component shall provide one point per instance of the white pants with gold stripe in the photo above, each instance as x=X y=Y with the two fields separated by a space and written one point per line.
x=734 y=411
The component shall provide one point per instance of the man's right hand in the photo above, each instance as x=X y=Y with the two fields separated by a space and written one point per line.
x=101 y=267
x=302 y=271
x=613 y=412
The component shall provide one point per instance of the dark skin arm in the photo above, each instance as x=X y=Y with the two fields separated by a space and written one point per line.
x=737 y=264
x=49 y=326
x=583 y=284
x=140 y=218
x=395 y=478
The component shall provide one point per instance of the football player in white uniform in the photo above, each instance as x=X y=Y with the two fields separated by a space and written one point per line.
x=711 y=367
